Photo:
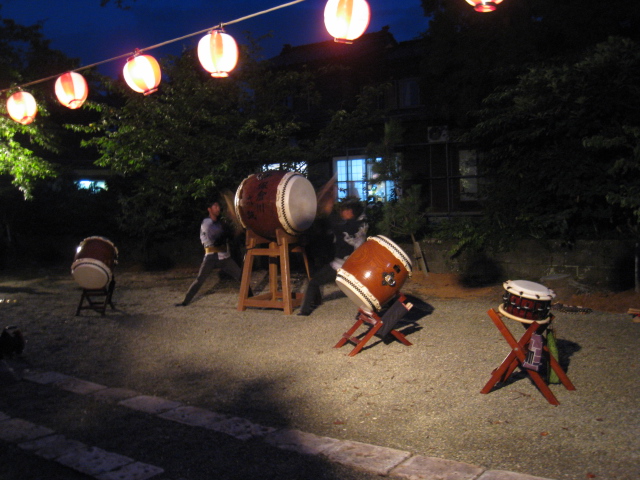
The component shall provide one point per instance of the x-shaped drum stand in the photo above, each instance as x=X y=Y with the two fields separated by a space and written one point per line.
x=380 y=326
x=517 y=357
x=97 y=299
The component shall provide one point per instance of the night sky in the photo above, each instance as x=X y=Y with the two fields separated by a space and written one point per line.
x=82 y=29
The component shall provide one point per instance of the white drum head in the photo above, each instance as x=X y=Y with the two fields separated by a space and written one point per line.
x=91 y=274
x=236 y=203
x=296 y=203
x=527 y=289
x=356 y=291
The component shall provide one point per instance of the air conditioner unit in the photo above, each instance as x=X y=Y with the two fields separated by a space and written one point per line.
x=438 y=134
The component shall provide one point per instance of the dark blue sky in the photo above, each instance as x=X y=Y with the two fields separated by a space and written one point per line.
x=82 y=29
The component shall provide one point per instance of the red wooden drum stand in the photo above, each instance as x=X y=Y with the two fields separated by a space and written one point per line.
x=278 y=252
x=518 y=357
x=376 y=325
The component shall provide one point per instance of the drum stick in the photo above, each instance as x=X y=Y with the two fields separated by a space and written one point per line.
x=326 y=196
x=231 y=212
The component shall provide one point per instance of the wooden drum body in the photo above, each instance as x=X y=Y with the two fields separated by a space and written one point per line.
x=274 y=200
x=526 y=301
x=92 y=266
x=374 y=273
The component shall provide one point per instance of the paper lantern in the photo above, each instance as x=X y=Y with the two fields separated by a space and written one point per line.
x=346 y=20
x=22 y=107
x=71 y=89
x=218 y=53
x=142 y=74
x=484 y=6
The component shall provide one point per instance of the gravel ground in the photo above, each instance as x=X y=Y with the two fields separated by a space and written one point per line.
x=282 y=371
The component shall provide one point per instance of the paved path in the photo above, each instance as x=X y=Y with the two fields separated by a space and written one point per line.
x=106 y=465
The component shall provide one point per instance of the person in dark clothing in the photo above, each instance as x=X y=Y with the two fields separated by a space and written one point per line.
x=348 y=227
x=213 y=235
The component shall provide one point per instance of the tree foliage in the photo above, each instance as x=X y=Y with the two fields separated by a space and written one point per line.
x=560 y=147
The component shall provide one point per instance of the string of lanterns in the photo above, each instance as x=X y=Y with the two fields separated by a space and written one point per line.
x=345 y=20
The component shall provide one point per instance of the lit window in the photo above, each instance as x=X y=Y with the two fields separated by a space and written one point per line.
x=92 y=185
x=355 y=178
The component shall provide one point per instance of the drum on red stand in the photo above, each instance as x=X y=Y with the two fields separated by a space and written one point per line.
x=374 y=273
x=526 y=301
x=272 y=200
x=93 y=263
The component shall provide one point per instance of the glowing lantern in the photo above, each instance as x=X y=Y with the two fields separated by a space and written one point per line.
x=218 y=53
x=484 y=5
x=346 y=20
x=71 y=89
x=142 y=74
x=22 y=107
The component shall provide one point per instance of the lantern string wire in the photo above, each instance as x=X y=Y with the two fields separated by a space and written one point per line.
x=127 y=55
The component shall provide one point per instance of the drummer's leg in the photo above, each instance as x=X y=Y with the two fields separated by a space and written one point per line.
x=208 y=264
x=324 y=275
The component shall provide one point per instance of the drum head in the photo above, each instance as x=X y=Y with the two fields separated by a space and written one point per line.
x=358 y=293
x=527 y=289
x=91 y=274
x=297 y=203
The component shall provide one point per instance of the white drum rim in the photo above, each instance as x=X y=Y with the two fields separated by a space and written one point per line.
x=98 y=237
x=95 y=265
x=236 y=203
x=396 y=251
x=350 y=282
x=526 y=289
x=283 y=194
x=520 y=319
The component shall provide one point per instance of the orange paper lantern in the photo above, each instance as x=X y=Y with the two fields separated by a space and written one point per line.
x=484 y=6
x=71 y=89
x=22 y=107
x=142 y=74
x=346 y=20
x=218 y=53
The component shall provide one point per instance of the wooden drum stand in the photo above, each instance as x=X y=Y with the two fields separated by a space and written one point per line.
x=278 y=252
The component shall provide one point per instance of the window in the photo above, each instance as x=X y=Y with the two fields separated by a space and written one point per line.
x=408 y=93
x=357 y=178
x=92 y=185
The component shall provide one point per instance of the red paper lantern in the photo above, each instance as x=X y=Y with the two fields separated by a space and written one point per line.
x=218 y=53
x=71 y=89
x=346 y=20
x=22 y=107
x=142 y=74
x=484 y=6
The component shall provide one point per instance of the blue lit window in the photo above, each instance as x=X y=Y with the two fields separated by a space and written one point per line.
x=355 y=177
x=93 y=185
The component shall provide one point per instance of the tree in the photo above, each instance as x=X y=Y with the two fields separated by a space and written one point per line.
x=468 y=54
x=560 y=147
x=192 y=139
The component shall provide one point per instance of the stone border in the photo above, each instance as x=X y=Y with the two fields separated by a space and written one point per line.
x=110 y=466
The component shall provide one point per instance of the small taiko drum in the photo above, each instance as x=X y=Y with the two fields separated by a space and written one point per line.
x=374 y=273
x=92 y=266
x=526 y=301
x=272 y=200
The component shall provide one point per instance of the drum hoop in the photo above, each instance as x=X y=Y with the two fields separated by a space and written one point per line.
x=522 y=320
x=236 y=203
x=280 y=203
x=358 y=287
x=511 y=286
x=104 y=239
x=395 y=250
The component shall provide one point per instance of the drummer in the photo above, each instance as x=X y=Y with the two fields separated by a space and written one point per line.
x=214 y=234
x=348 y=226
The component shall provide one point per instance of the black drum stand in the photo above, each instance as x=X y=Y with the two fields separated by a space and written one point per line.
x=97 y=299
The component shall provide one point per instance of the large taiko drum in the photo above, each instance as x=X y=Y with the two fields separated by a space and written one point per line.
x=92 y=266
x=374 y=273
x=272 y=200
x=526 y=301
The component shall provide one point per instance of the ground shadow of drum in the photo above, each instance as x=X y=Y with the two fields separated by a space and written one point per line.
x=273 y=200
x=92 y=266
x=374 y=272
x=526 y=301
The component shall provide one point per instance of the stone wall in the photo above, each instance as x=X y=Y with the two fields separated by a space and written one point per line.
x=599 y=263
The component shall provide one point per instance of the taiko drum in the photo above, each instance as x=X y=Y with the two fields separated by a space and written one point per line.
x=273 y=200
x=374 y=273
x=93 y=263
x=526 y=301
